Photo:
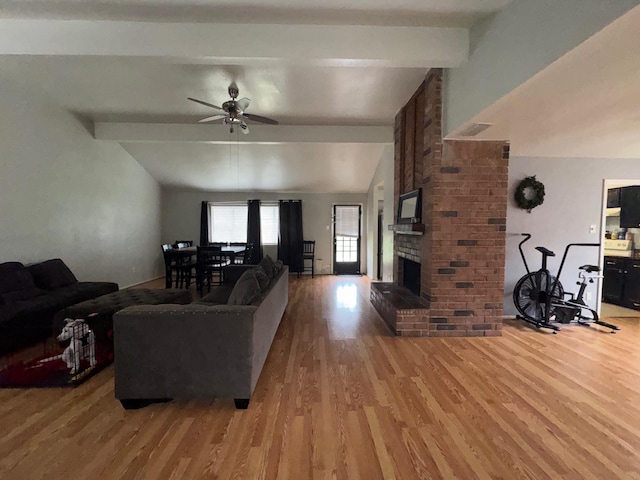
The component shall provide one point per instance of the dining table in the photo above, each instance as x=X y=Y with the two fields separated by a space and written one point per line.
x=186 y=253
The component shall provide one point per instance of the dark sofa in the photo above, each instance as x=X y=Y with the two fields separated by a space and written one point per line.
x=31 y=295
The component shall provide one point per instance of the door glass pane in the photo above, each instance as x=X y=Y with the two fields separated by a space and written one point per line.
x=347 y=230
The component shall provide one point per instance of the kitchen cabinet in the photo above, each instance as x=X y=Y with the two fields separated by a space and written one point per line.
x=631 y=297
x=613 y=198
x=621 y=284
x=614 y=277
x=629 y=206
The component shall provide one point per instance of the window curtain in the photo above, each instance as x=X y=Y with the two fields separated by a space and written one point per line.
x=253 y=232
x=204 y=224
x=290 y=238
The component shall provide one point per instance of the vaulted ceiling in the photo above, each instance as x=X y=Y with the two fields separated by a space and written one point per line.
x=333 y=73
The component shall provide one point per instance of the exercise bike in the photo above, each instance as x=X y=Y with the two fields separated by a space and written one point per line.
x=540 y=298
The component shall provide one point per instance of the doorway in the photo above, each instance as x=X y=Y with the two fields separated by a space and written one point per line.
x=346 y=239
x=380 y=237
x=620 y=287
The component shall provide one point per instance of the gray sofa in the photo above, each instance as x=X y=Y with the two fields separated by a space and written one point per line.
x=215 y=347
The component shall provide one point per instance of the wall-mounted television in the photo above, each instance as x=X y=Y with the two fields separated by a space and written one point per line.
x=410 y=207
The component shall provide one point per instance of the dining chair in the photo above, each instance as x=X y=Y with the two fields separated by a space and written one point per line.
x=169 y=266
x=308 y=254
x=186 y=243
x=178 y=268
x=210 y=263
x=239 y=258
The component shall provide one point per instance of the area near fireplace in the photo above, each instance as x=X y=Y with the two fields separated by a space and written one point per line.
x=458 y=247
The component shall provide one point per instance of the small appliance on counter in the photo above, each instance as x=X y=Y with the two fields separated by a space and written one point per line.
x=618 y=248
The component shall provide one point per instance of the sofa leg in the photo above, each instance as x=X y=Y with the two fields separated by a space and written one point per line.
x=241 y=403
x=136 y=403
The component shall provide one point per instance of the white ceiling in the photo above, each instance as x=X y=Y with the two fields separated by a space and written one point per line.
x=302 y=63
x=584 y=105
x=326 y=12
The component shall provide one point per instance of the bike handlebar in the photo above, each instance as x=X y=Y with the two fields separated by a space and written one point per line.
x=566 y=250
x=524 y=260
x=564 y=257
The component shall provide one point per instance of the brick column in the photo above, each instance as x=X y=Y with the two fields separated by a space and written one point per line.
x=464 y=212
x=468 y=215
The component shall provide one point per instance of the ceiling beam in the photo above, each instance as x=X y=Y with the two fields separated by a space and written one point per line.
x=357 y=45
x=259 y=134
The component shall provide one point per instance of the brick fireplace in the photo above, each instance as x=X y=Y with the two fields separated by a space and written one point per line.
x=460 y=245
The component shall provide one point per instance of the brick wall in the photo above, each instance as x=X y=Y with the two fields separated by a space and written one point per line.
x=464 y=209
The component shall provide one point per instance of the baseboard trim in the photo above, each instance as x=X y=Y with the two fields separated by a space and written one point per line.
x=144 y=281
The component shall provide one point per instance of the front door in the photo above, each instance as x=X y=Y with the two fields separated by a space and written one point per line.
x=346 y=239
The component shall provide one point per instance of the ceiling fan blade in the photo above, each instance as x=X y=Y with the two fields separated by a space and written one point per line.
x=258 y=118
x=244 y=128
x=205 y=103
x=212 y=118
x=243 y=104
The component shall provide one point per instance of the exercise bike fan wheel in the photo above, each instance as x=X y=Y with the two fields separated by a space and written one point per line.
x=530 y=296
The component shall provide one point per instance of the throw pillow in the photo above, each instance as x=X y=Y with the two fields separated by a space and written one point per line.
x=263 y=279
x=246 y=289
x=267 y=265
x=14 y=276
x=52 y=274
x=278 y=266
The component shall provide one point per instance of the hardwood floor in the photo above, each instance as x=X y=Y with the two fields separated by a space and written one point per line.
x=340 y=398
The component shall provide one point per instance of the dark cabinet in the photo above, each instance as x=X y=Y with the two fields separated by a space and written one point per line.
x=621 y=284
x=631 y=296
x=613 y=198
x=614 y=279
x=629 y=207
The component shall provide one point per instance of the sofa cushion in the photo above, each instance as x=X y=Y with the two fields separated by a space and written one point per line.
x=14 y=276
x=26 y=294
x=218 y=296
x=245 y=290
x=81 y=291
x=52 y=274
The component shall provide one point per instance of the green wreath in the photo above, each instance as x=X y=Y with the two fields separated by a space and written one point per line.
x=529 y=184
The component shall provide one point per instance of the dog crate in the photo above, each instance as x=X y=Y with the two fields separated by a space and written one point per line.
x=77 y=349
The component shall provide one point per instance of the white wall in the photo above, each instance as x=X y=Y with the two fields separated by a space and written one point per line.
x=381 y=188
x=515 y=44
x=64 y=194
x=181 y=217
x=574 y=190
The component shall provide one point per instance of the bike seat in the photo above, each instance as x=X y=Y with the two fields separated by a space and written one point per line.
x=590 y=268
x=546 y=251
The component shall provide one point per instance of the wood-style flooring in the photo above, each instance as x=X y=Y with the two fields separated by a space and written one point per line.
x=340 y=398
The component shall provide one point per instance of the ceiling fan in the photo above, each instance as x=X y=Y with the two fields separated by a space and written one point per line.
x=234 y=111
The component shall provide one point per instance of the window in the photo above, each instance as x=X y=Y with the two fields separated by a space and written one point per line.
x=269 y=223
x=228 y=222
